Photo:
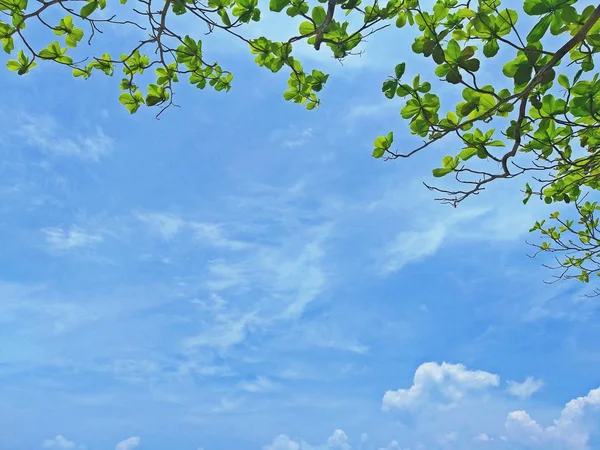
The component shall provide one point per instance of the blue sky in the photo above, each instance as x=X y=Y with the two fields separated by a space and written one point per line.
x=242 y=274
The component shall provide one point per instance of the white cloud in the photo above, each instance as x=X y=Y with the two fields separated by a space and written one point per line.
x=435 y=226
x=570 y=431
x=129 y=443
x=59 y=441
x=283 y=442
x=43 y=133
x=327 y=333
x=412 y=246
x=226 y=333
x=393 y=445
x=69 y=238
x=260 y=384
x=525 y=389
x=170 y=225
x=291 y=137
x=214 y=235
x=274 y=283
x=371 y=109
x=482 y=438
x=338 y=440
x=227 y=404
x=165 y=224
x=448 y=438
x=450 y=382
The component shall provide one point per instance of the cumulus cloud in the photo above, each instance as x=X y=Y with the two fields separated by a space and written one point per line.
x=570 y=430
x=283 y=442
x=129 y=443
x=394 y=445
x=338 y=440
x=525 y=389
x=450 y=382
x=58 y=441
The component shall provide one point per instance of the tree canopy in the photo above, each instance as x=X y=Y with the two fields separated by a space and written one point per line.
x=542 y=121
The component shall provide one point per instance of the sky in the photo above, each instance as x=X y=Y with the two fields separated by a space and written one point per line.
x=243 y=274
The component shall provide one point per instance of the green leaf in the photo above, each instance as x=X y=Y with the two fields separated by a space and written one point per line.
x=224 y=17
x=80 y=73
x=522 y=75
x=88 y=9
x=449 y=162
x=389 y=88
x=73 y=38
x=467 y=153
x=306 y=28
x=278 y=5
x=8 y=45
x=378 y=152
x=491 y=48
x=319 y=15
x=453 y=51
x=13 y=65
x=453 y=76
x=466 y=13
x=539 y=30
x=131 y=102
x=471 y=65
x=563 y=80
x=536 y=7
x=382 y=142
x=399 y=70
x=438 y=173
x=411 y=109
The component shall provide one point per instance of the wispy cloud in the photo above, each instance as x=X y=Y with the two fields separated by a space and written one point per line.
x=169 y=226
x=291 y=137
x=226 y=333
x=70 y=238
x=260 y=384
x=129 y=443
x=45 y=134
x=428 y=227
x=214 y=235
x=276 y=280
x=227 y=404
x=371 y=110
x=165 y=224
x=412 y=246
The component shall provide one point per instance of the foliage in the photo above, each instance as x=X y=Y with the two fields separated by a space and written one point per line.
x=543 y=122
